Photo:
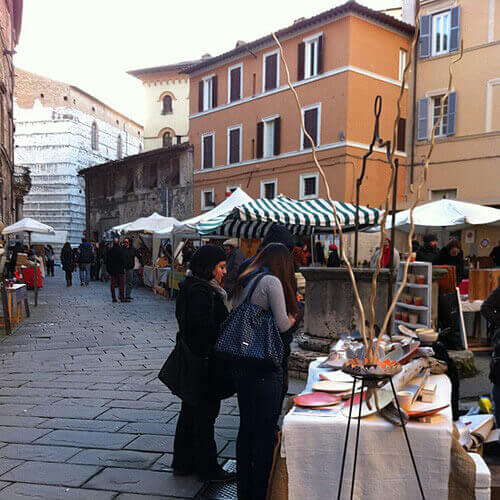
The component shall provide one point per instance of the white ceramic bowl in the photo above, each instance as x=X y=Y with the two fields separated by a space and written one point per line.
x=428 y=337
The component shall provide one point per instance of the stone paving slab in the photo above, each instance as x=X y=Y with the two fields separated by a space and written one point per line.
x=145 y=482
x=81 y=425
x=129 y=415
x=64 y=411
x=8 y=464
x=38 y=452
x=132 y=496
x=83 y=439
x=23 y=491
x=21 y=434
x=115 y=458
x=52 y=474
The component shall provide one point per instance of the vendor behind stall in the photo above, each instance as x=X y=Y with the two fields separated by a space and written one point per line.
x=235 y=258
x=452 y=255
x=429 y=251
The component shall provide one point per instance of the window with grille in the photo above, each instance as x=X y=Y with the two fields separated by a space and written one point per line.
x=308 y=186
x=207 y=199
x=166 y=105
x=167 y=139
x=94 y=137
x=119 y=147
x=268 y=189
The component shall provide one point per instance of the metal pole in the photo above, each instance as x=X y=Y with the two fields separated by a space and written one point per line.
x=5 y=306
x=393 y=232
x=356 y=222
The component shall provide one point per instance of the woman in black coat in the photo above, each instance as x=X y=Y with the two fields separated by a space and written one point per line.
x=68 y=262
x=452 y=255
x=200 y=310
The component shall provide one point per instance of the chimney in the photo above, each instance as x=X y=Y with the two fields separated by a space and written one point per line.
x=239 y=43
x=299 y=20
x=206 y=56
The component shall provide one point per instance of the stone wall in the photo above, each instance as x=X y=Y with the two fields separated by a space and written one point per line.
x=154 y=181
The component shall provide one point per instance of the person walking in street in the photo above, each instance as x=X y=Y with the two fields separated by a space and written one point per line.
x=115 y=264
x=85 y=259
x=429 y=251
x=94 y=267
x=260 y=390
x=49 y=258
x=68 y=262
x=200 y=311
x=235 y=258
x=129 y=256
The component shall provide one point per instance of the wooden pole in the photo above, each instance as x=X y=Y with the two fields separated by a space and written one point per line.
x=5 y=306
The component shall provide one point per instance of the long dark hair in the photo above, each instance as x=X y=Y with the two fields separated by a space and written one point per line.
x=67 y=247
x=277 y=259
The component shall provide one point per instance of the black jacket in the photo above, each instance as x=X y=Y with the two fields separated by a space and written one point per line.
x=85 y=253
x=68 y=259
x=445 y=259
x=129 y=255
x=333 y=258
x=427 y=253
x=115 y=263
x=200 y=311
x=490 y=308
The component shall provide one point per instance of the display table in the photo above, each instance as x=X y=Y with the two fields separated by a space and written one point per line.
x=17 y=295
x=313 y=448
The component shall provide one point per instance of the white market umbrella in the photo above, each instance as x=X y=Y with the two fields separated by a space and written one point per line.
x=28 y=225
x=155 y=222
x=187 y=228
x=445 y=214
x=120 y=228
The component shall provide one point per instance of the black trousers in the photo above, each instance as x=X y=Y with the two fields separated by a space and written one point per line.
x=194 y=445
x=50 y=268
x=259 y=401
x=69 y=277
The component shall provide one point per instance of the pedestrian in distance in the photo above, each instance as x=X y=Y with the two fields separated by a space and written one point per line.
x=259 y=389
x=200 y=311
x=115 y=264
x=85 y=260
x=333 y=256
x=49 y=258
x=235 y=258
x=68 y=262
x=129 y=256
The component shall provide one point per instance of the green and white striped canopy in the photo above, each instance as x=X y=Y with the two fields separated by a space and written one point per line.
x=253 y=219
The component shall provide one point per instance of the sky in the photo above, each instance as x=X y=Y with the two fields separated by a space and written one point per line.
x=92 y=43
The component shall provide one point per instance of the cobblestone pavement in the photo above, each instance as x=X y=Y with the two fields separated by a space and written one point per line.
x=82 y=415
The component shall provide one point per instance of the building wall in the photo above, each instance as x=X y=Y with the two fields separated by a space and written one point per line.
x=121 y=192
x=156 y=123
x=9 y=11
x=53 y=139
x=468 y=162
x=361 y=61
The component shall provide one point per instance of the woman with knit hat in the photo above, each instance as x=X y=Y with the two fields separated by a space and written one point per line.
x=200 y=309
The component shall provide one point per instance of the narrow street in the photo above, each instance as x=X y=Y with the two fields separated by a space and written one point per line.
x=82 y=414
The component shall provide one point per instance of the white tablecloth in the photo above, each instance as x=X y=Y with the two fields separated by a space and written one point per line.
x=313 y=448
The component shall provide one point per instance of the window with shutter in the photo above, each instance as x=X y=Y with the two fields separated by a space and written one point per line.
x=209 y=93
x=401 y=134
x=234 y=145
x=425 y=36
x=441 y=33
x=308 y=186
x=271 y=71
x=259 y=153
x=311 y=120
x=214 y=91
x=423 y=121
x=235 y=83
x=207 y=151
x=442 y=127
x=201 y=98
x=402 y=63
x=455 y=29
x=207 y=199
x=270 y=137
x=277 y=136
x=313 y=59
x=452 y=113
x=268 y=189
x=301 y=58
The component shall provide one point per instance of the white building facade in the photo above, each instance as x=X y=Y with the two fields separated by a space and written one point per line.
x=59 y=131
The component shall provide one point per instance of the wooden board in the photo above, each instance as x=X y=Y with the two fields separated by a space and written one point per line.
x=482 y=282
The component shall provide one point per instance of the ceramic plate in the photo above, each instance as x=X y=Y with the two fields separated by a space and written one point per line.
x=385 y=396
x=337 y=377
x=315 y=399
x=331 y=386
x=425 y=412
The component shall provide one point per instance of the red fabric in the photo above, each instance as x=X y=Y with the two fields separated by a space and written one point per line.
x=28 y=275
x=464 y=287
x=386 y=254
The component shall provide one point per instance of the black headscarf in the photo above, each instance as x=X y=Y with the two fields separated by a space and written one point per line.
x=205 y=259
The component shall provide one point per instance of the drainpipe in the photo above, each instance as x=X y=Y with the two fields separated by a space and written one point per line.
x=414 y=116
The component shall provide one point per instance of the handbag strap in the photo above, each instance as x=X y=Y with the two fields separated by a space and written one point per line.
x=254 y=284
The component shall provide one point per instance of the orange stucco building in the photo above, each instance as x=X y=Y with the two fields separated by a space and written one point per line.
x=245 y=126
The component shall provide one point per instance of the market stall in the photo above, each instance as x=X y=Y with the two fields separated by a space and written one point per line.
x=30 y=226
x=253 y=219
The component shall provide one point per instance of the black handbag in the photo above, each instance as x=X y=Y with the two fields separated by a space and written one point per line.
x=184 y=372
x=250 y=335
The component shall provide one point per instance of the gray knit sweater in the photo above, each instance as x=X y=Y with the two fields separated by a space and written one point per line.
x=268 y=295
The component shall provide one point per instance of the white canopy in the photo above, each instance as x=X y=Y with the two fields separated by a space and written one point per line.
x=187 y=228
x=28 y=225
x=446 y=214
x=120 y=228
x=155 y=222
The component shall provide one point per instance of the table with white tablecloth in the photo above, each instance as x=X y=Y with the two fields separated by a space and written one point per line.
x=313 y=447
